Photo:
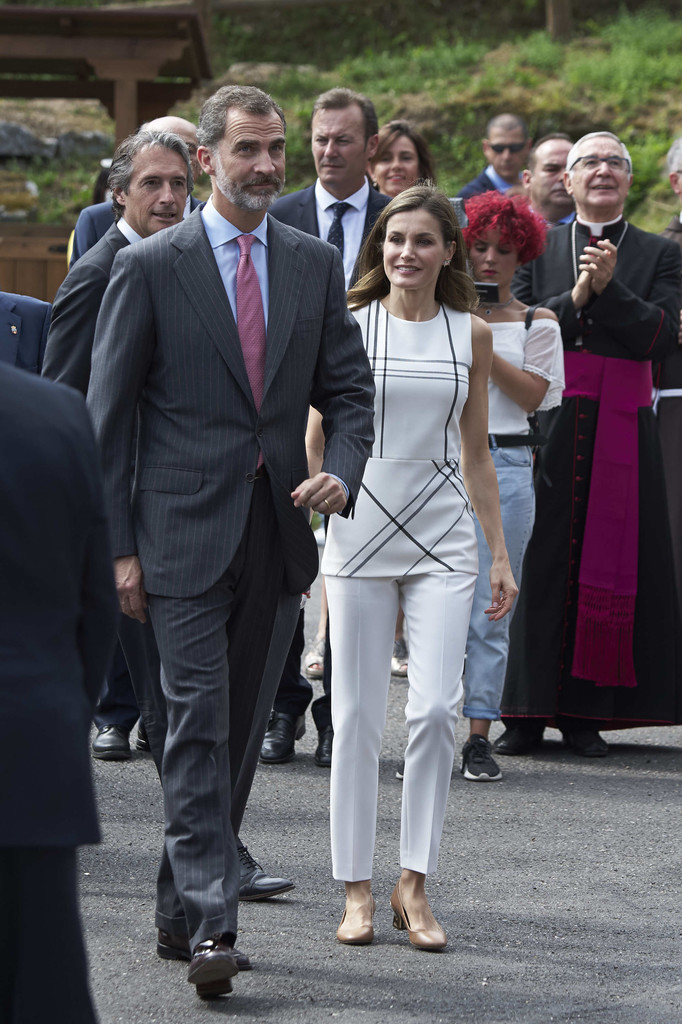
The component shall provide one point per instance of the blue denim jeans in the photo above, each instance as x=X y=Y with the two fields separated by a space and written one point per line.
x=488 y=642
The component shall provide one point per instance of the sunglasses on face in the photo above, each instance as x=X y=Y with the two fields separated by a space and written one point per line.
x=513 y=147
x=591 y=163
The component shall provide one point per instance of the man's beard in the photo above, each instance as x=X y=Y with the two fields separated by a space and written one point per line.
x=239 y=195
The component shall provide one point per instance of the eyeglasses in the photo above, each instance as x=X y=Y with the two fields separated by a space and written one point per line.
x=591 y=163
x=513 y=147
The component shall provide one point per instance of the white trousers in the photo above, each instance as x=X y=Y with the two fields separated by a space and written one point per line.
x=362 y=614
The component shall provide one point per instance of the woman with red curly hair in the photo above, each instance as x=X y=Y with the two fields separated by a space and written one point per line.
x=527 y=374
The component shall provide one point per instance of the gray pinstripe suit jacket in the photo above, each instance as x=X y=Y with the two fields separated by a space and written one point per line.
x=167 y=343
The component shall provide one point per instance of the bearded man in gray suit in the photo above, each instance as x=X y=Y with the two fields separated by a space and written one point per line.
x=215 y=337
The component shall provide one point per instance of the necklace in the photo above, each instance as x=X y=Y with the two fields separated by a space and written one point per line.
x=498 y=305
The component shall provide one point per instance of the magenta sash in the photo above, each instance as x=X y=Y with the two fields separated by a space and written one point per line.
x=608 y=566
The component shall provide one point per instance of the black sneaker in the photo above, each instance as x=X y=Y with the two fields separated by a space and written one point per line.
x=478 y=764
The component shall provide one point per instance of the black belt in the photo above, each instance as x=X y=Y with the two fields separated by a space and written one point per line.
x=515 y=440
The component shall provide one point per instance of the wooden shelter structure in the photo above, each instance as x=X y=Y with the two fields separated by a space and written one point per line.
x=138 y=62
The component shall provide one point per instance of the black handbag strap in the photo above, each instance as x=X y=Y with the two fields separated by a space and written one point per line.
x=536 y=437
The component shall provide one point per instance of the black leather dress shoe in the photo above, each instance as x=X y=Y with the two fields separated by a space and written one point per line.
x=176 y=947
x=254 y=884
x=111 y=744
x=517 y=741
x=212 y=966
x=282 y=732
x=323 y=753
x=586 y=742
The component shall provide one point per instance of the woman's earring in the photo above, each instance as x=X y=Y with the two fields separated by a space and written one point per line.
x=446 y=263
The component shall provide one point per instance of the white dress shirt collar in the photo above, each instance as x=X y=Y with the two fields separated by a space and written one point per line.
x=358 y=200
x=219 y=230
x=127 y=232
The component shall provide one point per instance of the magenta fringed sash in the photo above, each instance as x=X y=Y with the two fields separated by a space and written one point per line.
x=608 y=565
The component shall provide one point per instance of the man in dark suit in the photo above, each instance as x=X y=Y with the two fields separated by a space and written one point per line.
x=58 y=615
x=150 y=179
x=594 y=640
x=94 y=221
x=344 y=138
x=23 y=330
x=214 y=338
x=506 y=149
x=341 y=208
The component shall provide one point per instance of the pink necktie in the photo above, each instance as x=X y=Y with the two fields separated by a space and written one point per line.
x=250 y=319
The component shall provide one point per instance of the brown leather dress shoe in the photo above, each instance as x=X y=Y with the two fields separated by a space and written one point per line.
x=212 y=967
x=176 y=947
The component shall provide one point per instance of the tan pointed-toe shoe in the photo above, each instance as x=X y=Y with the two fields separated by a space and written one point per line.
x=432 y=939
x=356 y=935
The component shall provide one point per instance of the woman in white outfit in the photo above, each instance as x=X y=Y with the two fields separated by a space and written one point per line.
x=412 y=544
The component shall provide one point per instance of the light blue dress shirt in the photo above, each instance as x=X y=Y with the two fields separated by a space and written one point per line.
x=222 y=237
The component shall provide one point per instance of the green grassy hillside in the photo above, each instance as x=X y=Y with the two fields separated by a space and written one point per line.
x=622 y=74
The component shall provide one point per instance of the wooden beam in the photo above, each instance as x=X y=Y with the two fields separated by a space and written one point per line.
x=241 y=6
x=156 y=52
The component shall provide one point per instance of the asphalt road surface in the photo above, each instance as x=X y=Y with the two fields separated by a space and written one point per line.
x=559 y=888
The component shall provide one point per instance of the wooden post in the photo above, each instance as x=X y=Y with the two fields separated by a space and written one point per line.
x=125 y=107
x=559 y=18
x=204 y=9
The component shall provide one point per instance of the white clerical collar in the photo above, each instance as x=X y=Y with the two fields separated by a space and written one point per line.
x=126 y=230
x=220 y=230
x=596 y=227
x=358 y=200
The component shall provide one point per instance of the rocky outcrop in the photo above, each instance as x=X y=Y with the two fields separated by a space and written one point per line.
x=18 y=143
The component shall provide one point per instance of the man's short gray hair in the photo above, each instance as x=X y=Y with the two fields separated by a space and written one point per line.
x=573 y=153
x=674 y=157
x=213 y=116
x=122 y=165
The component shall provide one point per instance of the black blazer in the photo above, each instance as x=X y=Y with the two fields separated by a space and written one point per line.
x=75 y=311
x=299 y=210
x=94 y=222
x=637 y=316
x=477 y=186
x=23 y=330
x=58 y=611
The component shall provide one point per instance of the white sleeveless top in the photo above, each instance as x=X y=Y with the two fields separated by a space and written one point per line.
x=538 y=350
x=412 y=514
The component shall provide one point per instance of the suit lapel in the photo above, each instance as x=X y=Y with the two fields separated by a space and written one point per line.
x=285 y=273
x=198 y=274
x=309 y=212
x=10 y=331
x=375 y=205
